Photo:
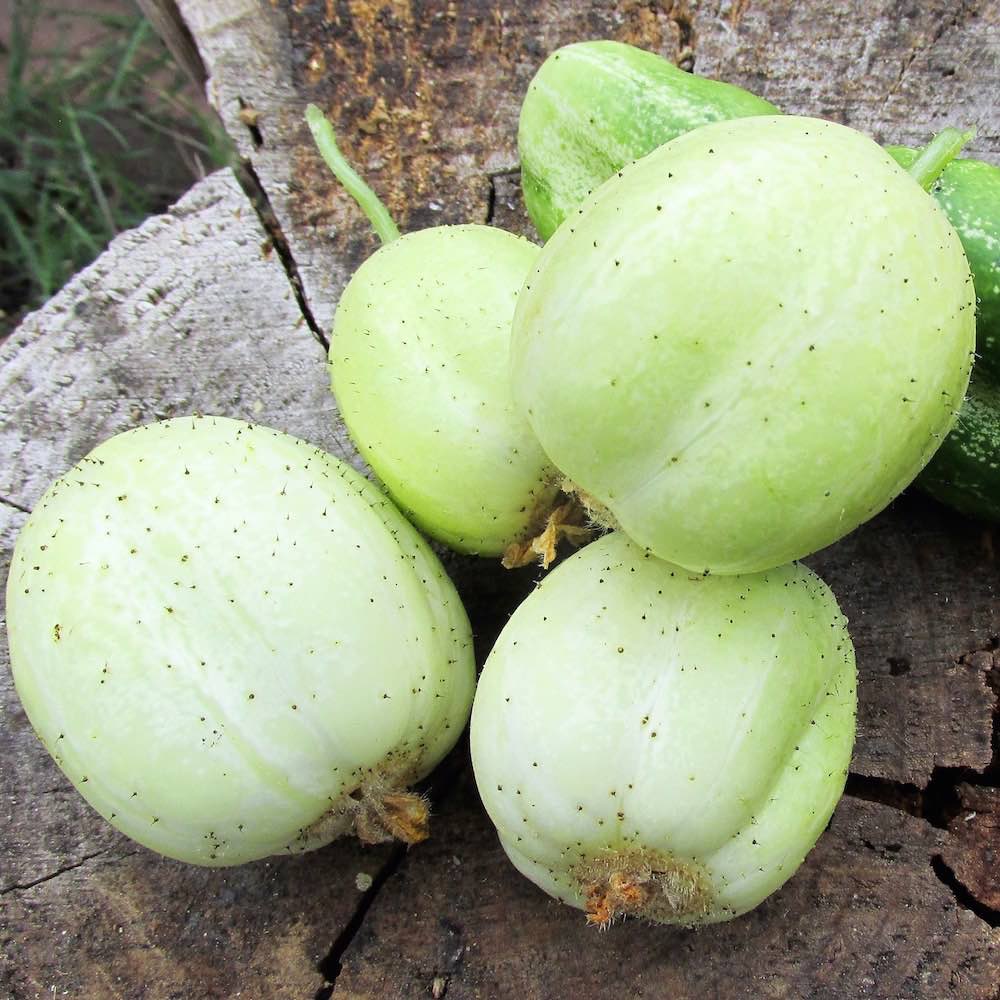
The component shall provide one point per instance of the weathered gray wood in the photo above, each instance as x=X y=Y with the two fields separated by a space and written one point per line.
x=894 y=69
x=191 y=312
x=248 y=55
x=194 y=311
x=167 y=23
x=425 y=97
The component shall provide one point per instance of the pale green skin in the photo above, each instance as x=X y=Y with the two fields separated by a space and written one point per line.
x=594 y=106
x=192 y=564
x=420 y=367
x=715 y=714
x=748 y=342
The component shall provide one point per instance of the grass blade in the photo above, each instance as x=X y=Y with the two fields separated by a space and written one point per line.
x=127 y=59
x=88 y=168
x=95 y=135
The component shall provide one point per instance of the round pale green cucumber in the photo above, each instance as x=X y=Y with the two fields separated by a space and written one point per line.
x=594 y=106
x=748 y=342
x=233 y=646
x=419 y=362
x=664 y=746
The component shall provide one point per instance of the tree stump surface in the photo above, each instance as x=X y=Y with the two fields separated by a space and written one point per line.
x=222 y=306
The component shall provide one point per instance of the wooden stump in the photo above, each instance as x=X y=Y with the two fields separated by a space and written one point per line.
x=222 y=306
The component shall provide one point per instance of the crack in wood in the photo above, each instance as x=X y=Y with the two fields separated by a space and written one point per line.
x=447 y=778
x=258 y=197
x=331 y=965
x=937 y=804
x=254 y=190
x=249 y=118
x=904 y=796
x=14 y=505
x=947 y=22
x=167 y=22
x=963 y=895
x=492 y=195
x=24 y=886
x=491 y=200
x=938 y=801
x=680 y=14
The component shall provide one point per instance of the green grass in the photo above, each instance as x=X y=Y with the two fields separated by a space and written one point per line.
x=92 y=141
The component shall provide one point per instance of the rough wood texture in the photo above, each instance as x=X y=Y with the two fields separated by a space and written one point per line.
x=973 y=858
x=197 y=311
x=191 y=312
x=919 y=587
x=864 y=916
x=425 y=96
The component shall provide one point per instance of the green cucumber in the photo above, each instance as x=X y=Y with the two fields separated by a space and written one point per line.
x=595 y=106
x=965 y=471
x=969 y=193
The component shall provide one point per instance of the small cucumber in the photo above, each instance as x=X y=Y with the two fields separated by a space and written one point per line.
x=764 y=329
x=595 y=106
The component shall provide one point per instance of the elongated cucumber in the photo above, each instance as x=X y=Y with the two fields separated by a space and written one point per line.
x=595 y=106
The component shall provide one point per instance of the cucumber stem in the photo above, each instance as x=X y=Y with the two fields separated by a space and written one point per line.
x=937 y=154
x=367 y=199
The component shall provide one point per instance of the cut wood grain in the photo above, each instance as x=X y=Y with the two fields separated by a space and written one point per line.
x=425 y=96
x=895 y=70
x=191 y=312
